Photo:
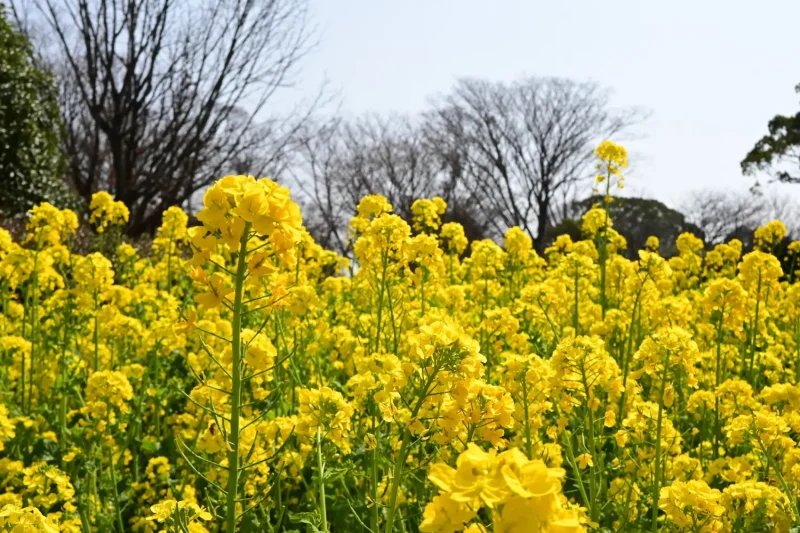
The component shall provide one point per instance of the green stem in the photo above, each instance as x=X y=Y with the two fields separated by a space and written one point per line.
x=525 y=407
x=62 y=387
x=95 y=337
x=786 y=489
x=422 y=293
x=797 y=345
x=34 y=321
x=657 y=480
x=117 y=507
x=169 y=261
x=595 y=487
x=236 y=387
x=577 y=471
x=575 y=322
x=400 y=459
x=604 y=249
x=627 y=348
x=380 y=302
x=375 y=510
x=754 y=331
x=718 y=380
x=396 y=473
x=321 y=468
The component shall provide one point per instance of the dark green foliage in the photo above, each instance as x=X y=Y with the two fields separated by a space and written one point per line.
x=30 y=160
x=567 y=226
x=639 y=218
x=778 y=153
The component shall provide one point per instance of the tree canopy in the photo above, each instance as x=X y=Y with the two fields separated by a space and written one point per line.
x=31 y=166
x=161 y=97
x=639 y=218
x=778 y=152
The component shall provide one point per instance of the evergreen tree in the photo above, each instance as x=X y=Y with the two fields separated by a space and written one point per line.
x=31 y=166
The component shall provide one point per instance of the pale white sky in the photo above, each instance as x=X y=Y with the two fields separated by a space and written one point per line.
x=713 y=72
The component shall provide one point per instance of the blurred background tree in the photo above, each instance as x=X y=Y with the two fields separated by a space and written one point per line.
x=499 y=154
x=639 y=218
x=778 y=152
x=152 y=100
x=161 y=97
x=524 y=146
x=31 y=165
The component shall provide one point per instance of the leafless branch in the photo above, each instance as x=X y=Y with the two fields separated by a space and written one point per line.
x=162 y=96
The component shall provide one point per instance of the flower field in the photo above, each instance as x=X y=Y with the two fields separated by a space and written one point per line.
x=235 y=376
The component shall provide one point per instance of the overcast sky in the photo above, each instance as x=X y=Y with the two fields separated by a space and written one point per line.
x=712 y=72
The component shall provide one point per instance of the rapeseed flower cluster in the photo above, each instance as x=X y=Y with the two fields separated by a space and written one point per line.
x=236 y=376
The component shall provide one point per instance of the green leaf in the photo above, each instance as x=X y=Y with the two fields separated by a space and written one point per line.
x=334 y=474
x=312 y=519
x=150 y=446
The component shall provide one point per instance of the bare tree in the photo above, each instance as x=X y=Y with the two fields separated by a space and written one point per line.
x=162 y=96
x=389 y=156
x=318 y=171
x=782 y=207
x=523 y=145
x=720 y=213
x=723 y=215
x=343 y=161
